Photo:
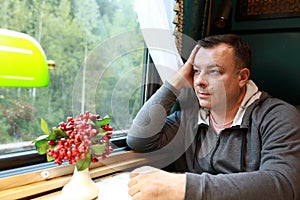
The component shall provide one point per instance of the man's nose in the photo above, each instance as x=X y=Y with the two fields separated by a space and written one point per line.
x=200 y=80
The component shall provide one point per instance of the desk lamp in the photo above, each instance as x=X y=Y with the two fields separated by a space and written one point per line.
x=22 y=61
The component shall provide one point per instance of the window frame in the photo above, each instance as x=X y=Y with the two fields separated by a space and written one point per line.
x=151 y=79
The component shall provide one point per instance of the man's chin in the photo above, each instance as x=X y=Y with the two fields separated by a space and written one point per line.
x=205 y=104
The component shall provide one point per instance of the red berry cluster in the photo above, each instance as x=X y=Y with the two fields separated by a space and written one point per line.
x=80 y=135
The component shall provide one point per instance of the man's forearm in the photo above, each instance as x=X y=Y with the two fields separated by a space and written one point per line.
x=150 y=120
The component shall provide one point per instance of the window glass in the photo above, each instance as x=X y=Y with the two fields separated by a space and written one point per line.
x=98 y=54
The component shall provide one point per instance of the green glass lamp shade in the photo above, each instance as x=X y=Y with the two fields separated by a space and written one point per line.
x=22 y=61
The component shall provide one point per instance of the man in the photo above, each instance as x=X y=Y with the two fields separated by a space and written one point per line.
x=237 y=143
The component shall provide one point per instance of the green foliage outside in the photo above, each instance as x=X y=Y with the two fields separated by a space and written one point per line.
x=99 y=36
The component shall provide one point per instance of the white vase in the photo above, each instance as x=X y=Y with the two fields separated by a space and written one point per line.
x=80 y=187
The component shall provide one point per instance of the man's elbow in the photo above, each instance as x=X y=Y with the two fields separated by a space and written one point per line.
x=138 y=144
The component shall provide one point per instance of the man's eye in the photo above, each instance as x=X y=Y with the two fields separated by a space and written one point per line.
x=214 y=71
x=196 y=71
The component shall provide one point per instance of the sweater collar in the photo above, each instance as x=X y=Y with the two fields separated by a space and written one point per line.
x=252 y=94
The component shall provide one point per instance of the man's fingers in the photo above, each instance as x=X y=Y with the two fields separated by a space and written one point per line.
x=133 y=190
x=132 y=182
x=133 y=174
x=193 y=54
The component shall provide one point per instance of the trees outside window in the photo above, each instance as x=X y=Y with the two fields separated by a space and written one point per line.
x=98 y=53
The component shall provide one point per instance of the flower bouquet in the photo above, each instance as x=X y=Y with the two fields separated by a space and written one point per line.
x=80 y=140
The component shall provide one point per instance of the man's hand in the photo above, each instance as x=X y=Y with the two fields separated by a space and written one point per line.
x=184 y=77
x=151 y=183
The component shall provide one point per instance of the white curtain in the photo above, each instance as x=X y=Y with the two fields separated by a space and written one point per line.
x=155 y=18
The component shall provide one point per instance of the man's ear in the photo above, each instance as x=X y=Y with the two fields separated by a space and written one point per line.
x=244 y=75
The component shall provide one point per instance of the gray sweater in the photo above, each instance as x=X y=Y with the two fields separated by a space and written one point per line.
x=258 y=159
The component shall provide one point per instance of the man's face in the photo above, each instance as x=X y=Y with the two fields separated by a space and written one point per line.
x=216 y=80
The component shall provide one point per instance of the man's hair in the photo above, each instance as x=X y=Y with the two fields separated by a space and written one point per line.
x=241 y=48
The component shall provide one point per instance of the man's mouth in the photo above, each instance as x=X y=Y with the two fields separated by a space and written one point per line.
x=203 y=95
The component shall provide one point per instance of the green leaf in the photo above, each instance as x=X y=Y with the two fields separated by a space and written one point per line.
x=101 y=131
x=91 y=122
x=97 y=149
x=57 y=134
x=98 y=137
x=104 y=121
x=82 y=164
x=44 y=127
x=49 y=158
x=41 y=146
x=42 y=137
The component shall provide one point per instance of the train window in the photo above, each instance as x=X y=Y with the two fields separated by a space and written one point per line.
x=97 y=51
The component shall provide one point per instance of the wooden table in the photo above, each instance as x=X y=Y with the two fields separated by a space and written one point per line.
x=110 y=187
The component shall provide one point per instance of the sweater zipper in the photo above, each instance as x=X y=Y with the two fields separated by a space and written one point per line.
x=213 y=153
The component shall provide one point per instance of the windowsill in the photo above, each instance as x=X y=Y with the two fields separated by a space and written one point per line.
x=33 y=183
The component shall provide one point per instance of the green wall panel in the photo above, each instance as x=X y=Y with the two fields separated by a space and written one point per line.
x=276 y=63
